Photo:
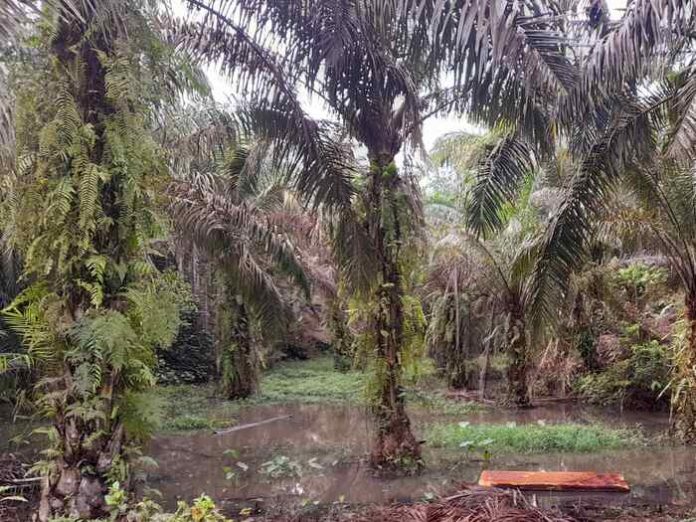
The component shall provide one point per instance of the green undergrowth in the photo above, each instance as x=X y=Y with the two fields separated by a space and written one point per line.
x=531 y=438
x=316 y=381
x=195 y=407
x=312 y=381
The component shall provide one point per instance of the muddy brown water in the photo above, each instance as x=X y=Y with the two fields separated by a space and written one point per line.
x=326 y=442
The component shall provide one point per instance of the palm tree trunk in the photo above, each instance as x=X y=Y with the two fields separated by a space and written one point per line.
x=78 y=482
x=240 y=374
x=684 y=400
x=87 y=447
x=518 y=370
x=342 y=341
x=457 y=358
x=395 y=447
x=483 y=375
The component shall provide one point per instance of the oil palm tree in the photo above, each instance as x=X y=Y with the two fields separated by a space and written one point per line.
x=226 y=202
x=662 y=214
x=607 y=118
x=488 y=251
x=82 y=212
x=604 y=118
x=378 y=67
x=504 y=271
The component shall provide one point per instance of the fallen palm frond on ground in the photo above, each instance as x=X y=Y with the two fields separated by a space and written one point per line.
x=468 y=505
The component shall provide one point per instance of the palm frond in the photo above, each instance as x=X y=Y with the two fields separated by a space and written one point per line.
x=320 y=165
x=628 y=141
x=7 y=134
x=354 y=250
x=648 y=29
x=14 y=15
x=683 y=133
x=305 y=147
x=239 y=239
x=497 y=182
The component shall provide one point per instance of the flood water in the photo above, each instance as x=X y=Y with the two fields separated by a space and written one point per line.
x=324 y=445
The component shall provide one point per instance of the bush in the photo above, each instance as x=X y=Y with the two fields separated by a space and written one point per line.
x=190 y=359
x=637 y=381
x=638 y=278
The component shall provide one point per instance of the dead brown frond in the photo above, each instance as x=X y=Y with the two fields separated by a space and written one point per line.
x=469 y=505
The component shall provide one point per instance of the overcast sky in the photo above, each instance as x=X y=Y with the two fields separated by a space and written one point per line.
x=433 y=128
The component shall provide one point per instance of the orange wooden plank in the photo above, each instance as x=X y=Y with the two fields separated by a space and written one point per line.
x=554 y=480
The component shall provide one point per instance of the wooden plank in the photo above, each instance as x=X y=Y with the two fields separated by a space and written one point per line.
x=554 y=480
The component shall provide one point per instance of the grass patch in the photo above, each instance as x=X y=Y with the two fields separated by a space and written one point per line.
x=313 y=381
x=190 y=407
x=187 y=407
x=532 y=438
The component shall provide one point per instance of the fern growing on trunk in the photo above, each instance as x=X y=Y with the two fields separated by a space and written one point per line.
x=82 y=212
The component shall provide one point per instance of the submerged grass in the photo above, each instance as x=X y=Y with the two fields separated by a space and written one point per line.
x=532 y=438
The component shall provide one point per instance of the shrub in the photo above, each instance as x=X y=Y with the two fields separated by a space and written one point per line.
x=190 y=359
x=637 y=381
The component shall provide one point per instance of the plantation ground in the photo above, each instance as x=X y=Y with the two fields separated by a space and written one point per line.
x=309 y=463
x=311 y=460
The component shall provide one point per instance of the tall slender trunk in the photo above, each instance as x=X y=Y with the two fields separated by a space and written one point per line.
x=342 y=341
x=394 y=447
x=518 y=370
x=684 y=402
x=457 y=359
x=240 y=372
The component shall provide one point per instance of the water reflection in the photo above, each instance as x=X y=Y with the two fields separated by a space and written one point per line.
x=326 y=441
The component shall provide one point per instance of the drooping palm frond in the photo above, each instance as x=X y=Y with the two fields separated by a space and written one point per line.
x=511 y=64
x=498 y=180
x=628 y=140
x=307 y=231
x=7 y=135
x=195 y=137
x=648 y=29
x=14 y=15
x=239 y=239
x=320 y=165
x=683 y=133
x=303 y=146
x=644 y=45
x=354 y=250
x=526 y=36
x=664 y=212
x=464 y=248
